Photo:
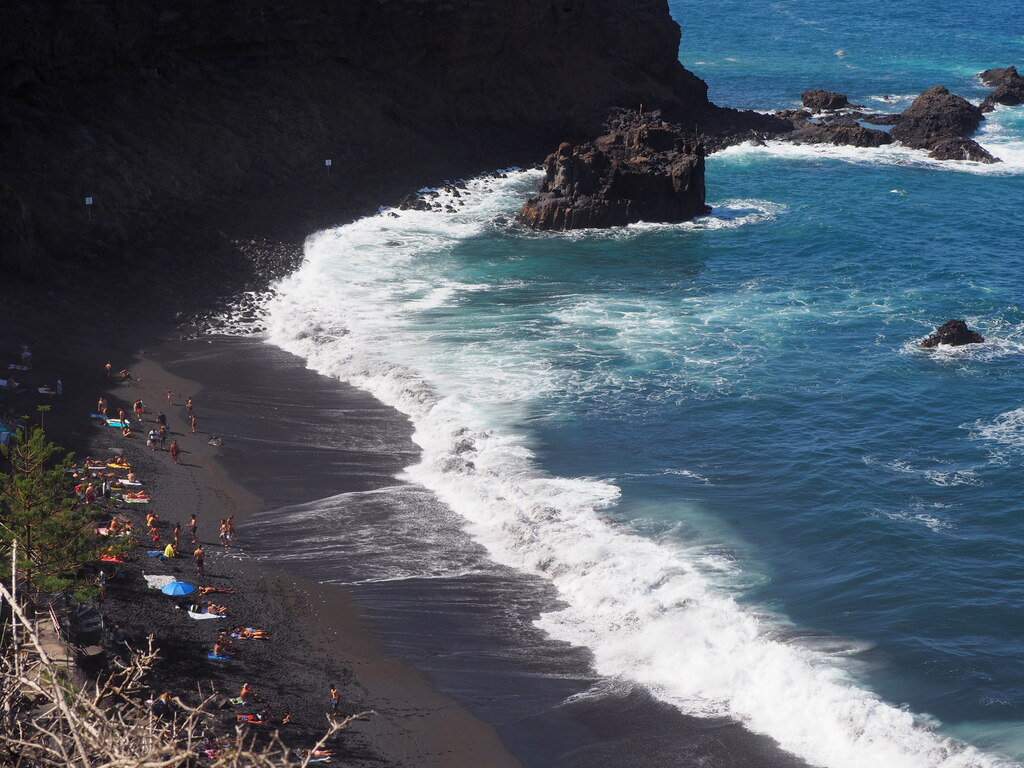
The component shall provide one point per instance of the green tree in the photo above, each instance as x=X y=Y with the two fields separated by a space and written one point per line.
x=39 y=510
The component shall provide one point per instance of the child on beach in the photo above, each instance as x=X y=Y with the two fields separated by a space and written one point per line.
x=174 y=451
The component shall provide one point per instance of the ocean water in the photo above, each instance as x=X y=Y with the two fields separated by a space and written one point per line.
x=718 y=442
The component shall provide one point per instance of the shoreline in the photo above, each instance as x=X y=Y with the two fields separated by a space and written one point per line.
x=318 y=634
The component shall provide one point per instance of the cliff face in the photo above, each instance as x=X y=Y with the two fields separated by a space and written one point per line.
x=195 y=123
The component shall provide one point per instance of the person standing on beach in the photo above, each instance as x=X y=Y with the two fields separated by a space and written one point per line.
x=335 y=699
x=109 y=369
x=139 y=408
x=170 y=397
x=101 y=406
x=163 y=436
x=231 y=527
x=177 y=535
x=174 y=451
x=200 y=558
x=193 y=419
x=188 y=407
x=192 y=524
x=161 y=419
x=153 y=437
x=223 y=534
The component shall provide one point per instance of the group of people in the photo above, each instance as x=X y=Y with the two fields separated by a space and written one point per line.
x=225 y=645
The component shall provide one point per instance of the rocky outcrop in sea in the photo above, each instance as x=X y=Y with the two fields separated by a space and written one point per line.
x=955 y=333
x=642 y=169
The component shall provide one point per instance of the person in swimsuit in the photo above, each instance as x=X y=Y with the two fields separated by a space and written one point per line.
x=174 y=451
x=200 y=557
x=192 y=524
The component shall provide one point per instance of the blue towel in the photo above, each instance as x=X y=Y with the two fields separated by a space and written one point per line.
x=218 y=658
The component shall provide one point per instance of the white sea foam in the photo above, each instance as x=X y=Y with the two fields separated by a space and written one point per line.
x=1003 y=144
x=650 y=611
x=1004 y=431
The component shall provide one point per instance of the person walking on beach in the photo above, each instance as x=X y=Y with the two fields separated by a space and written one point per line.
x=174 y=451
x=177 y=535
x=335 y=699
x=200 y=558
x=192 y=529
x=161 y=419
x=110 y=370
x=139 y=408
x=193 y=419
x=231 y=527
x=188 y=407
x=223 y=533
x=170 y=397
x=101 y=406
x=163 y=437
x=153 y=437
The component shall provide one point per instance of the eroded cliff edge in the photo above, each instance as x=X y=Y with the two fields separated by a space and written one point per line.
x=197 y=126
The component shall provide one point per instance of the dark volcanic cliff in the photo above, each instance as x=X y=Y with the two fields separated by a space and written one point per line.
x=195 y=124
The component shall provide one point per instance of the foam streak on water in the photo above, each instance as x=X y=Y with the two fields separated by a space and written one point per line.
x=374 y=305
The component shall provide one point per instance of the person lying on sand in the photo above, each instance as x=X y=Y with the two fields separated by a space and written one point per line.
x=249 y=633
x=304 y=753
x=211 y=590
x=126 y=375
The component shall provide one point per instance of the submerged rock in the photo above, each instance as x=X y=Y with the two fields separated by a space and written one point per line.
x=955 y=333
x=643 y=169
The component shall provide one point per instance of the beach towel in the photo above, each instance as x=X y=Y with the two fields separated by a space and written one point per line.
x=157 y=553
x=218 y=658
x=130 y=483
x=97 y=416
x=101 y=531
x=16 y=367
x=111 y=559
x=114 y=464
x=236 y=701
x=118 y=423
x=135 y=501
x=198 y=616
x=157 y=580
x=46 y=391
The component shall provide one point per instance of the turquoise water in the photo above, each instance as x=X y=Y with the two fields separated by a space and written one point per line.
x=755 y=495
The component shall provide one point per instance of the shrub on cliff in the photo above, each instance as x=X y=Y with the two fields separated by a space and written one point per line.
x=37 y=509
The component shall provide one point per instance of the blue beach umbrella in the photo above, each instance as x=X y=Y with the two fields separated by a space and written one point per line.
x=178 y=588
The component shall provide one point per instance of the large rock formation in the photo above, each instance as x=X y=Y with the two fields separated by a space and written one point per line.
x=1008 y=85
x=195 y=125
x=955 y=333
x=822 y=101
x=935 y=117
x=643 y=169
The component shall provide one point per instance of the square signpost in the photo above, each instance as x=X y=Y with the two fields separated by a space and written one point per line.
x=88 y=207
x=327 y=164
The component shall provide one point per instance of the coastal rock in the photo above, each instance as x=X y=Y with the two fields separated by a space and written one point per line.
x=934 y=116
x=643 y=169
x=960 y=148
x=823 y=101
x=997 y=76
x=1009 y=88
x=844 y=131
x=955 y=333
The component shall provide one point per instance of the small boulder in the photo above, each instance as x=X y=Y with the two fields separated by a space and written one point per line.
x=1009 y=88
x=955 y=333
x=961 y=149
x=823 y=101
x=997 y=76
x=842 y=132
